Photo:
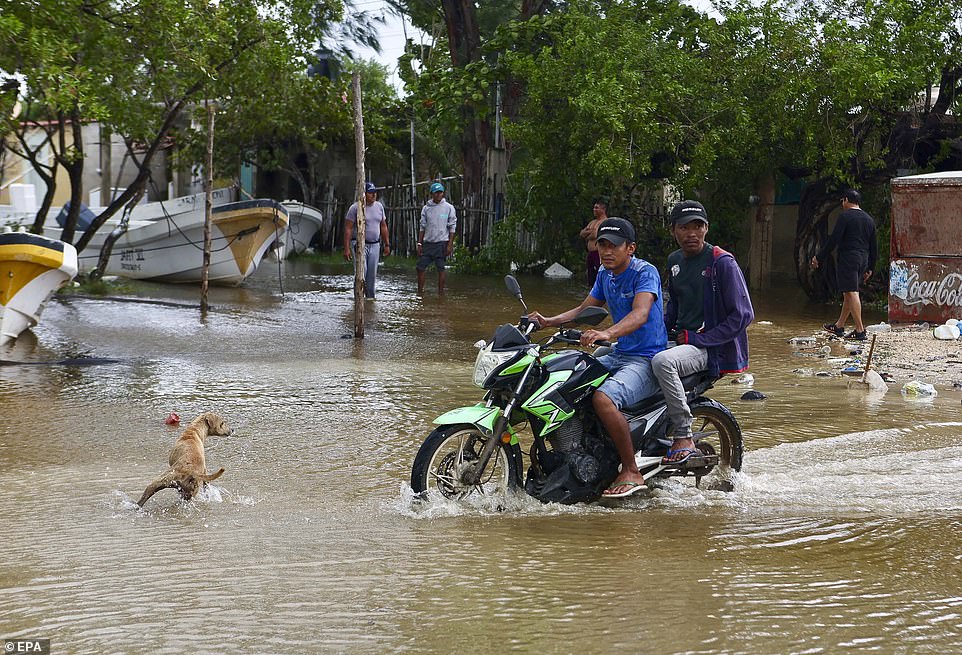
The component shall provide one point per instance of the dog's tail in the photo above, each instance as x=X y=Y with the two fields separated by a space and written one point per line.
x=212 y=476
x=166 y=481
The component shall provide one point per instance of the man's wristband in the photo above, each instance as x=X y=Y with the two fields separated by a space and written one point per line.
x=419 y=243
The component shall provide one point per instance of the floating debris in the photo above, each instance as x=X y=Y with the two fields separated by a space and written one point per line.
x=557 y=271
x=920 y=389
x=745 y=378
x=753 y=395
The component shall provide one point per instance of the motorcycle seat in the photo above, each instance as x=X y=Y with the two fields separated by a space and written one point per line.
x=701 y=379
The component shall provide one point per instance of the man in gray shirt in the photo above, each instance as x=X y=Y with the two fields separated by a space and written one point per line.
x=375 y=233
x=438 y=225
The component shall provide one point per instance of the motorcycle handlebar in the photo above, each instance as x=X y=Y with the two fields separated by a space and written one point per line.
x=575 y=335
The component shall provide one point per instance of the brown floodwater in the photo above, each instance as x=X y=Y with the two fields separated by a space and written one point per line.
x=843 y=534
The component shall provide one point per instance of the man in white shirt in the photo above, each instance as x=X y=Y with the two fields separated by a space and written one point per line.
x=438 y=226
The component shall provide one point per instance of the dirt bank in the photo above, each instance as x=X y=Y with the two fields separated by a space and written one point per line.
x=912 y=353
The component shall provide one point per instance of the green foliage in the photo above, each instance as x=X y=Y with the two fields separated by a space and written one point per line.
x=96 y=286
x=135 y=66
x=498 y=255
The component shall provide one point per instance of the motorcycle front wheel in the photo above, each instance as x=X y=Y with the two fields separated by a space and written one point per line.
x=446 y=457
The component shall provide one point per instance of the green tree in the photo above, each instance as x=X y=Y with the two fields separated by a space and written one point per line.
x=137 y=66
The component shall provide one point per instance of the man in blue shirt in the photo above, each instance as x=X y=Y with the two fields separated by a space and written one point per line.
x=631 y=288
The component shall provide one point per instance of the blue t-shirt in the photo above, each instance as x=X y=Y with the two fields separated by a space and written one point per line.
x=619 y=291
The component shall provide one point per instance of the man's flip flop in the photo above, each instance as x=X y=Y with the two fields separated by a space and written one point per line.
x=687 y=452
x=633 y=487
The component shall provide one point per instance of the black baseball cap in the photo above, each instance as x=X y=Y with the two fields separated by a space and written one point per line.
x=616 y=230
x=687 y=211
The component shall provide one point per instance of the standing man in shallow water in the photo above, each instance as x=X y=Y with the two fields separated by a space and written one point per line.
x=436 y=232
x=854 y=235
x=375 y=233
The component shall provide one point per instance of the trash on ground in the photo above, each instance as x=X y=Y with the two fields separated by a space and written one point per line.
x=802 y=342
x=952 y=321
x=947 y=332
x=744 y=378
x=824 y=374
x=878 y=328
x=804 y=372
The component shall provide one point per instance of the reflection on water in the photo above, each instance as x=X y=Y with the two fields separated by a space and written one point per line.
x=843 y=532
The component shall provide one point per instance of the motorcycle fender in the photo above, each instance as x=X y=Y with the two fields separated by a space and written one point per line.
x=480 y=416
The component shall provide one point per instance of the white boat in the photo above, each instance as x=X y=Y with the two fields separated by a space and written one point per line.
x=164 y=240
x=304 y=222
x=32 y=268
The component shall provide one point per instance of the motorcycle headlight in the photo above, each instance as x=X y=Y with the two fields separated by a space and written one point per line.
x=487 y=361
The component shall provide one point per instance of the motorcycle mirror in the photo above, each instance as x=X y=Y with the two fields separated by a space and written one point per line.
x=591 y=316
x=513 y=286
x=515 y=289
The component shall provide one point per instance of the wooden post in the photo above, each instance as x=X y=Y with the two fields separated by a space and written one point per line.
x=868 y=361
x=360 y=261
x=208 y=204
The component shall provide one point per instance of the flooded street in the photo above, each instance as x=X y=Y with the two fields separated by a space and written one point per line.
x=843 y=534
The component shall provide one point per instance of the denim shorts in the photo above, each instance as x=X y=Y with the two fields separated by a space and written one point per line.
x=631 y=379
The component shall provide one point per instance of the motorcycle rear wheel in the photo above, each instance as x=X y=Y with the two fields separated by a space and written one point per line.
x=446 y=452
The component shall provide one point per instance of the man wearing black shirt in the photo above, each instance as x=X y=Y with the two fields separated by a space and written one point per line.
x=854 y=235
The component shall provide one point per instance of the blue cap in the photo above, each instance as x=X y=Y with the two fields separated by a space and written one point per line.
x=370 y=188
x=437 y=186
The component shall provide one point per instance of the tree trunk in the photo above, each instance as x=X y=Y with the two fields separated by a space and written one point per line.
x=464 y=40
x=74 y=165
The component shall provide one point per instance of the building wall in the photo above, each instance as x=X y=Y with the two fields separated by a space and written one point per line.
x=98 y=158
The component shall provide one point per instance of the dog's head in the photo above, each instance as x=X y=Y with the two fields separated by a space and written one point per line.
x=216 y=426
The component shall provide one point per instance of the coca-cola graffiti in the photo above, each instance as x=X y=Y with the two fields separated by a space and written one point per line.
x=906 y=283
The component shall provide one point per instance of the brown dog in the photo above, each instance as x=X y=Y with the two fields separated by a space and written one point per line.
x=188 y=469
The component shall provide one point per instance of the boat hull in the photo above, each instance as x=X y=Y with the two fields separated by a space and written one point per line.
x=303 y=223
x=32 y=268
x=170 y=248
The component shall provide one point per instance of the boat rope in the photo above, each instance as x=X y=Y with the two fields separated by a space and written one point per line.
x=171 y=222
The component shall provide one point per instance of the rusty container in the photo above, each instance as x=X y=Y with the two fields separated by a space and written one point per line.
x=925 y=274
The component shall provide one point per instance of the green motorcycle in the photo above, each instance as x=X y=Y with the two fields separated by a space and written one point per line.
x=477 y=449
